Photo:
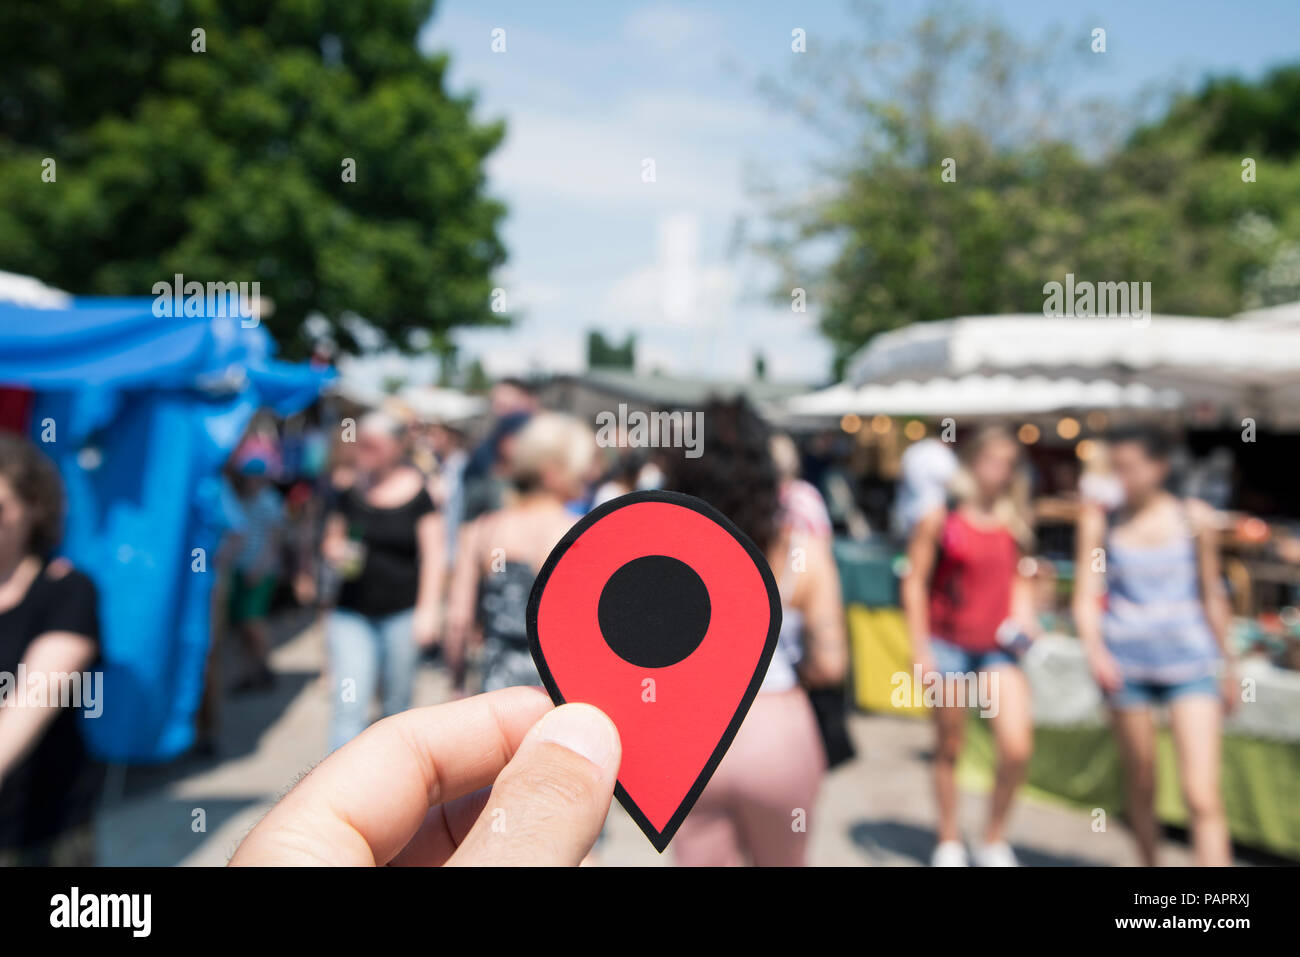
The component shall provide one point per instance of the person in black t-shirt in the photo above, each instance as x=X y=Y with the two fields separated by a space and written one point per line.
x=49 y=638
x=387 y=544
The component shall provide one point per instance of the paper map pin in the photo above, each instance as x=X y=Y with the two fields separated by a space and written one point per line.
x=656 y=609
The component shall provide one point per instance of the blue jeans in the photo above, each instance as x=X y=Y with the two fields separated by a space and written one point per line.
x=366 y=653
x=1147 y=694
x=952 y=659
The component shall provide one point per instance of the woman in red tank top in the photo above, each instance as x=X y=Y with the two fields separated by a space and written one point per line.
x=970 y=590
x=963 y=586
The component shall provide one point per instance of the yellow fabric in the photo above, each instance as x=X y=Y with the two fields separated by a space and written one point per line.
x=880 y=650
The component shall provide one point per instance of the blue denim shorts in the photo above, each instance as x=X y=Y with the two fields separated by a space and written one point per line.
x=954 y=659
x=1148 y=694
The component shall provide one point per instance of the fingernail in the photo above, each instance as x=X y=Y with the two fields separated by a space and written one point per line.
x=582 y=729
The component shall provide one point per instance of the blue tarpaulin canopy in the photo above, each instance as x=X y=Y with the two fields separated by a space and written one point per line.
x=139 y=413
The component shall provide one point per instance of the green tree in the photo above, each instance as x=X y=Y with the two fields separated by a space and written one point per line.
x=959 y=180
x=1242 y=192
x=604 y=354
x=228 y=155
x=476 y=377
x=1232 y=116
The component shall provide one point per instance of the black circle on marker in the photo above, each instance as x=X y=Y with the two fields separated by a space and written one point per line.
x=654 y=611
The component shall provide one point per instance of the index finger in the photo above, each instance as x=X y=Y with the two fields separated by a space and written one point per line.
x=364 y=802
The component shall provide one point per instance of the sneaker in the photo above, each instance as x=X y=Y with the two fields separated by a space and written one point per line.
x=949 y=854
x=995 y=855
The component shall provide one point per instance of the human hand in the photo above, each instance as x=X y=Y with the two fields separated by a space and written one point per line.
x=426 y=624
x=502 y=778
x=456 y=637
x=336 y=550
x=1105 y=670
x=1030 y=627
x=1230 y=689
x=923 y=658
x=304 y=588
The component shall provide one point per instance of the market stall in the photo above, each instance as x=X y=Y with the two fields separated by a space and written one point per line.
x=139 y=413
x=1059 y=384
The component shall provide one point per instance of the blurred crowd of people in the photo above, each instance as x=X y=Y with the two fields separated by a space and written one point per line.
x=410 y=540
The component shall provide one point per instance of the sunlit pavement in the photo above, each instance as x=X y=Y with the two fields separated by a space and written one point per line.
x=873 y=811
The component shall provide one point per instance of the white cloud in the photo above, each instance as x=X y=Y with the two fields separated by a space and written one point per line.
x=667 y=28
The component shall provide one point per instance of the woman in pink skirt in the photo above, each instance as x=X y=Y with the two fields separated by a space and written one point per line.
x=758 y=807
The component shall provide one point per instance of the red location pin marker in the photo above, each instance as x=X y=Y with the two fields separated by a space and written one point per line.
x=656 y=609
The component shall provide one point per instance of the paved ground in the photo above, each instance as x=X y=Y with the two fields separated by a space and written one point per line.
x=874 y=811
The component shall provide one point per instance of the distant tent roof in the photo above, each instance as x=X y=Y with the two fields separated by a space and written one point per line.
x=26 y=291
x=450 y=406
x=655 y=389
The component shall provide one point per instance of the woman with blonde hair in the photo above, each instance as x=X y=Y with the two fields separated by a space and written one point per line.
x=963 y=596
x=500 y=553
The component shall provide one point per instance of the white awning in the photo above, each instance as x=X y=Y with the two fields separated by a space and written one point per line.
x=979 y=395
x=1215 y=359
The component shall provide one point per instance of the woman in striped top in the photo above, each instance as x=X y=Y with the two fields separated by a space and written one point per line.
x=1152 y=613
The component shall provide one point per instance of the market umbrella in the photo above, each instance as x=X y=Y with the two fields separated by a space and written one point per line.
x=1227 y=362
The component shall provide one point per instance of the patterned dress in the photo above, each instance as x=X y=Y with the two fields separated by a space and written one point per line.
x=502 y=608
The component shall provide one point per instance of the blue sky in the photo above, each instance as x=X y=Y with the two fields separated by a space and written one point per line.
x=590 y=90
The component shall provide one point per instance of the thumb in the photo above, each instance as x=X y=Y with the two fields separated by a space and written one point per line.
x=549 y=803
